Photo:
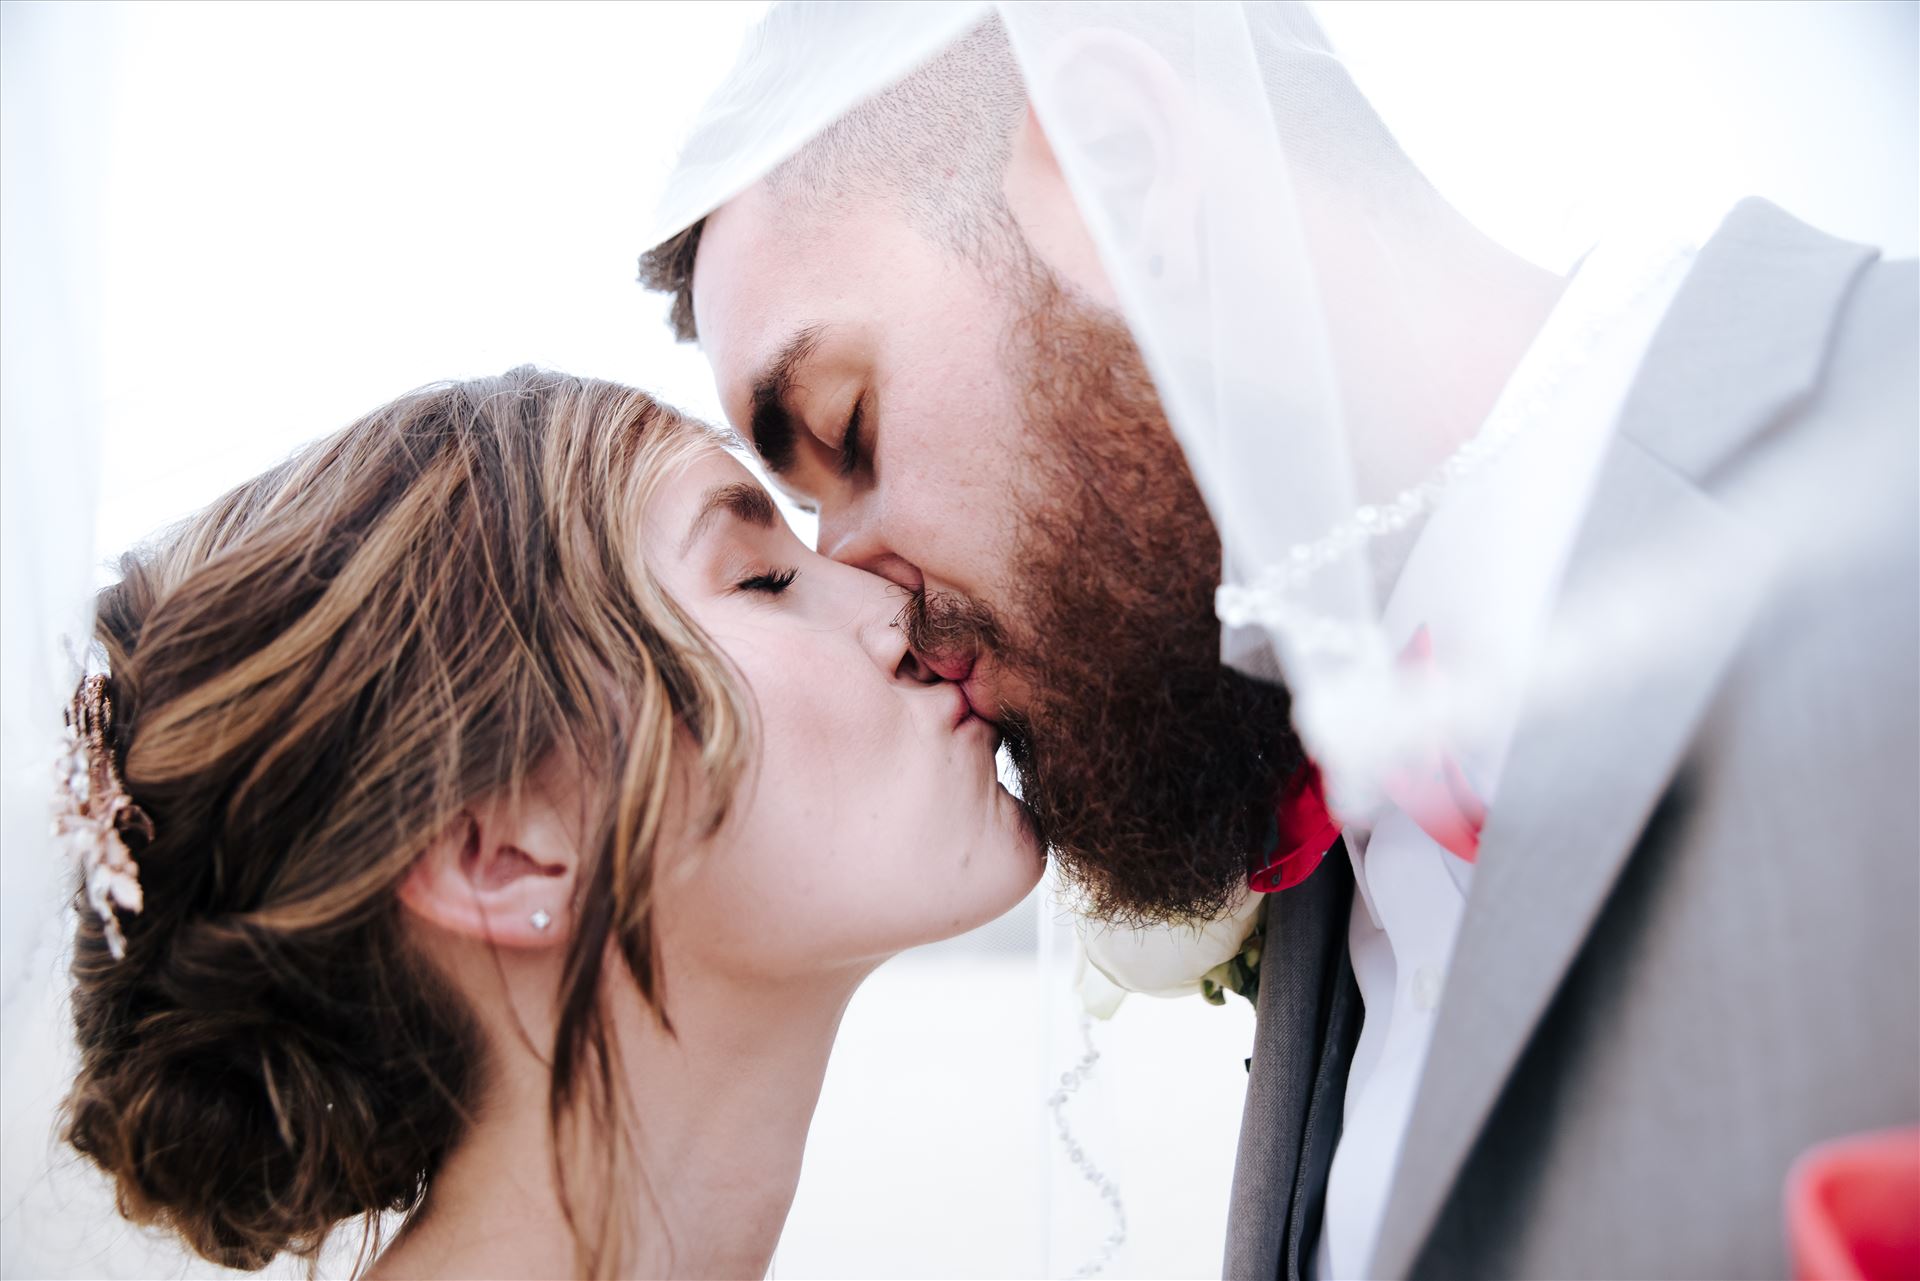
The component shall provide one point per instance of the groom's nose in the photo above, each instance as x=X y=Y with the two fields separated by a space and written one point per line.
x=848 y=535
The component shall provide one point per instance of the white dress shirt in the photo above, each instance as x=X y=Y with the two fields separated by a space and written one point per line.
x=1481 y=579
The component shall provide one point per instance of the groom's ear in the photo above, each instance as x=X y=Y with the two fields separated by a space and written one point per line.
x=1121 y=131
x=1032 y=143
x=503 y=872
x=1050 y=220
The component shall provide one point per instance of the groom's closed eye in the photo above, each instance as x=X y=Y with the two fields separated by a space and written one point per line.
x=854 y=451
x=771 y=421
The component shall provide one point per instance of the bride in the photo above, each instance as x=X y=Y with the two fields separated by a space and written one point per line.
x=487 y=816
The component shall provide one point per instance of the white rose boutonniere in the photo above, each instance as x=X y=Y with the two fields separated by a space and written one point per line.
x=1208 y=958
x=1219 y=955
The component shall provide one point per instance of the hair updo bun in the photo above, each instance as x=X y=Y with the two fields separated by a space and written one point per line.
x=309 y=679
x=248 y=1120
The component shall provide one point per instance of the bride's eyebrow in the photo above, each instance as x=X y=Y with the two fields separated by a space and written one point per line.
x=741 y=499
x=771 y=422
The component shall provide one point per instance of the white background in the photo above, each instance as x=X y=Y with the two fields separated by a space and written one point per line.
x=231 y=228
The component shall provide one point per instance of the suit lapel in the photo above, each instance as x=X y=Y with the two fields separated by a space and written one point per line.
x=1658 y=595
x=1304 y=993
x=1571 y=805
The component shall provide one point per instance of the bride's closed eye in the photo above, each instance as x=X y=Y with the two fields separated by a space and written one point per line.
x=769 y=582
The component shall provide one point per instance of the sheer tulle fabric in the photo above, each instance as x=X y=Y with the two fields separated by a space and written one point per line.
x=1254 y=216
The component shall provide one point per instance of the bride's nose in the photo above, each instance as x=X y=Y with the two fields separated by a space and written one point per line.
x=883 y=631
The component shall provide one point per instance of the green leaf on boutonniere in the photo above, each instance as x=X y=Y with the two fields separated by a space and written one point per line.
x=1239 y=973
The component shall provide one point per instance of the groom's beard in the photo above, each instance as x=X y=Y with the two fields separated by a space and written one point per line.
x=1151 y=768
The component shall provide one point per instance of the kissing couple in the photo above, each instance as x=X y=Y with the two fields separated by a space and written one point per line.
x=1504 y=679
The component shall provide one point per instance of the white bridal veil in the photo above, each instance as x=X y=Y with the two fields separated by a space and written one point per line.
x=1274 y=253
x=1239 y=189
x=1278 y=258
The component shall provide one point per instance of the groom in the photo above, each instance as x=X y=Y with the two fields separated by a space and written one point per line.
x=1670 y=967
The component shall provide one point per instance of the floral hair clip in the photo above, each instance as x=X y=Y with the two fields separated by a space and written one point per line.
x=93 y=813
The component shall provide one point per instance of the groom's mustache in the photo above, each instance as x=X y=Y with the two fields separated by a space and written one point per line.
x=940 y=624
x=947 y=629
x=951 y=632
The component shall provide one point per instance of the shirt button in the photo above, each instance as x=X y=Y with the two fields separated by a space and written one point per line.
x=1426 y=989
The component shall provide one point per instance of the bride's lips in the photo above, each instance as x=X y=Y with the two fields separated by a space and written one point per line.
x=959 y=669
x=962 y=709
x=966 y=715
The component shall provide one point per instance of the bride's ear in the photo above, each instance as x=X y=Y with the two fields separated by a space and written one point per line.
x=500 y=872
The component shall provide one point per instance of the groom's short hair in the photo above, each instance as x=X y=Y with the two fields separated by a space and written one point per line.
x=936 y=144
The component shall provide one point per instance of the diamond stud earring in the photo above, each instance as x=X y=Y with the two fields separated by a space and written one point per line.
x=540 y=919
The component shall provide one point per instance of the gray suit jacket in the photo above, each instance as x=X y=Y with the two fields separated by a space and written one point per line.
x=1692 y=947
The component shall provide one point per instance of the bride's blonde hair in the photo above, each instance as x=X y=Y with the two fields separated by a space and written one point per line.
x=310 y=679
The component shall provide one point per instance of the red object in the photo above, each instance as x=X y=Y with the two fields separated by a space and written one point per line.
x=1436 y=795
x=1306 y=831
x=1432 y=791
x=1853 y=1209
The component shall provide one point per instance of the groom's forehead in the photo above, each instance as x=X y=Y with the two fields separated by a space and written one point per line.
x=746 y=285
x=766 y=274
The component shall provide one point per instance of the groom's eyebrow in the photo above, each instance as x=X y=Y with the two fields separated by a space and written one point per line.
x=771 y=422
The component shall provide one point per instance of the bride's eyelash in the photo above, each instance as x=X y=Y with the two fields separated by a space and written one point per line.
x=770 y=582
